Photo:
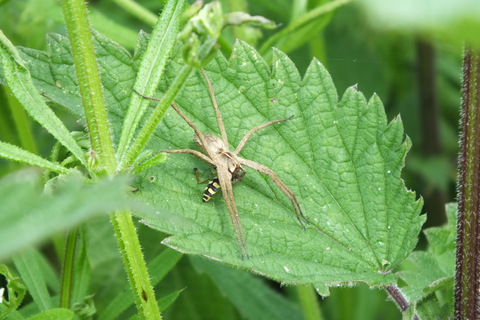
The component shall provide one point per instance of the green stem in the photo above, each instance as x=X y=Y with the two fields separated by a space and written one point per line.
x=88 y=76
x=95 y=112
x=155 y=117
x=135 y=265
x=138 y=11
x=304 y=20
x=22 y=124
x=7 y=132
x=67 y=270
x=309 y=302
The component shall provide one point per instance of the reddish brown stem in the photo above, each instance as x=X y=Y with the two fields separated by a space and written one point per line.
x=398 y=297
x=468 y=224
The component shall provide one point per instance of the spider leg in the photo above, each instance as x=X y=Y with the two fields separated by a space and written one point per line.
x=280 y=184
x=197 y=132
x=221 y=126
x=249 y=133
x=227 y=191
x=174 y=106
x=146 y=97
x=184 y=117
x=196 y=153
x=198 y=177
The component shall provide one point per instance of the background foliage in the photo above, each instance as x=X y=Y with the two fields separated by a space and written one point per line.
x=387 y=61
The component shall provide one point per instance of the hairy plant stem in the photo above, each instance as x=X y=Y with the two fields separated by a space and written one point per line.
x=89 y=83
x=98 y=128
x=399 y=298
x=135 y=265
x=137 y=10
x=468 y=222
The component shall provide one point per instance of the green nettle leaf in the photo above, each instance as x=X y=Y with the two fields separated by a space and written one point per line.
x=433 y=271
x=341 y=158
x=53 y=74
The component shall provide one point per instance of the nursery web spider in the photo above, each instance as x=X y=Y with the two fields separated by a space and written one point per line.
x=229 y=165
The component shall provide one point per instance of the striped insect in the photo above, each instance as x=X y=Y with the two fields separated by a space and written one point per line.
x=212 y=187
x=229 y=166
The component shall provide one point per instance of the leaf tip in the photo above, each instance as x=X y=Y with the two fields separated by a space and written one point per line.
x=354 y=87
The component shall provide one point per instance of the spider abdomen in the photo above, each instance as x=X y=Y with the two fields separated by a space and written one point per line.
x=210 y=189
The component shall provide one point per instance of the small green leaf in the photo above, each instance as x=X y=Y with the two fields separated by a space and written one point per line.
x=26 y=264
x=433 y=271
x=165 y=302
x=15 y=289
x=11 y=152
x=86 y=308
x=146 y=163
x=19 y=80
x=27 y=216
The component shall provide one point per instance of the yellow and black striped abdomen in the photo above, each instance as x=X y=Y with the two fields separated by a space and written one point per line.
x=211 y=189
